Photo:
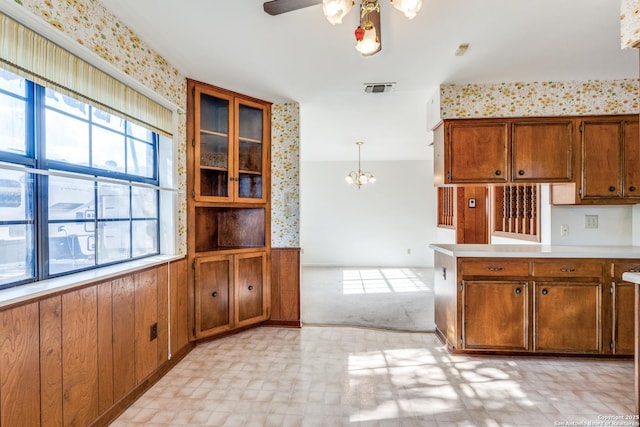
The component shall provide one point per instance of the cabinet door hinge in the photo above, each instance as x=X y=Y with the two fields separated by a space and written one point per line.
x=193 y=93
x=193 y=331
x=461 y=341
x=580 y=191
x=193 y=264
x=611 y=289
x=460 y=287
x=611 y=345
x=581 y=127
x=193 y=142
x=448 y=131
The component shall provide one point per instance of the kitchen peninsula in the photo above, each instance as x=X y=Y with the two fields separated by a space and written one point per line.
x=635 y=278
x=535 y=299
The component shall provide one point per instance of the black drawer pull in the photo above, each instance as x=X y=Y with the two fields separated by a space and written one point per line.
x=520 y=172
x=250 y=287
x=544 y=292
x=567 y=270
x=612 y=188
x=214 y=294
x=498 y=173
x=517 y=291
x=495 y=268
x=632 y=188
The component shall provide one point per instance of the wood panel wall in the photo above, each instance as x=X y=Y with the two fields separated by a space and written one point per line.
x=78 y=357
x=285 y=287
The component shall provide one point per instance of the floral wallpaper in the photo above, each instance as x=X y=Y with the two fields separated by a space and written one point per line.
x=629 y=23
x=285 y=175
x=570 y=98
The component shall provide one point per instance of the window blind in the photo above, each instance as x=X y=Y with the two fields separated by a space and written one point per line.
x=32 y=56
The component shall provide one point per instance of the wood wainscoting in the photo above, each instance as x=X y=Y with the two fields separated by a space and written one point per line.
x=285 y=287
x=81 y=356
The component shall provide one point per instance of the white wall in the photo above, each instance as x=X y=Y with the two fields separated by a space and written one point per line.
x=614 y=225
x=374 y=226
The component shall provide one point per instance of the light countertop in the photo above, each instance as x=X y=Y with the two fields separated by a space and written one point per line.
x=631 y=277
x=538 y=251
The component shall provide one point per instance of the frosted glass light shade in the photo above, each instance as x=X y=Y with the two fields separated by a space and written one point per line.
x=369 y=43
x=410 y=8
x=335 y=10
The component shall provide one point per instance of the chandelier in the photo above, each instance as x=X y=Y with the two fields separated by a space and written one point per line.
x=367 y=37
x=360 y=178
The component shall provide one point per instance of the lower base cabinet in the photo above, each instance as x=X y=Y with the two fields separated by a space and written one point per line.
x=504 y=323
x=231 y=291
x=623 y=322
x=567 y=317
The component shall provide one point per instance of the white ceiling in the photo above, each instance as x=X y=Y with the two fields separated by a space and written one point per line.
x=299 y=56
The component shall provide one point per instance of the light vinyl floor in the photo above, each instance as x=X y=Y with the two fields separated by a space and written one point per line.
x=344 y=376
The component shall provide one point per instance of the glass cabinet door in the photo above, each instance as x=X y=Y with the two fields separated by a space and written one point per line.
x=213 y=148
x=252 y=128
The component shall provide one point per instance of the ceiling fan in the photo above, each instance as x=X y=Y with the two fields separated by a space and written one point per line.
x=368 y=32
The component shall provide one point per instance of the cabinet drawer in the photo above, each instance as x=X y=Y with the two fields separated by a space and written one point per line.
x=567 y=269
x=495 y=268
x=624 y=267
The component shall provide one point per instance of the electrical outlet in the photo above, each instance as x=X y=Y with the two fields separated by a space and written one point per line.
x=153 y=332
x=564 y=230
x=591 y=221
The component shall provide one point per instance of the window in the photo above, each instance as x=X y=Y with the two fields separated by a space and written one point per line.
x=78 y=185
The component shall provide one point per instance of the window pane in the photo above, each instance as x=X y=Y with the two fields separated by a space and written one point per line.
x=144 y=202
x=16 y=196
x=17 y=247
x=67 y=139
x=13 y=83
x=145 y=238
x=113 y=201
x=140 y=159
x=16 y=253
x=67 y=104
x=113 y=241
x=107 y=120
x=71 y=199
x=139 y=132
x=107 y=149
x=70 y=247
x=13 y=127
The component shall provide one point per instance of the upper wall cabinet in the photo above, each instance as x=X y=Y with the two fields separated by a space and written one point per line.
x=503 y=150
x=230 y=142
x=608 y=163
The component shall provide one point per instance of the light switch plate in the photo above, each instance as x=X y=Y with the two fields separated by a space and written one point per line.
x=472 y=203
x=591 y=221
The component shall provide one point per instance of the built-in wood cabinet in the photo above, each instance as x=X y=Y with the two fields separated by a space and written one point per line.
x=228 y=211
x=230 y=141
x=503 y=324
x=468 y=151
x=231 y=292
x=534 y=305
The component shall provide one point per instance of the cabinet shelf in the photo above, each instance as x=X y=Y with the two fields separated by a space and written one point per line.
x=213 y=168
x=251 y=140
x=215 y=133
x=247 y=172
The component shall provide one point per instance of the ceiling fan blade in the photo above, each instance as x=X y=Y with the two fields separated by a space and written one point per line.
x=276 y=7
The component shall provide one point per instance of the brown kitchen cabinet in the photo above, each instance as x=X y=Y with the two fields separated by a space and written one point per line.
x=228 y=209
x=231 y=292
x=623 y=311
x=231 y=145
x=542 y=150
x=534 y=305
x=501 y=325
x=468 y=151
x=608 y=163
x=567 y=317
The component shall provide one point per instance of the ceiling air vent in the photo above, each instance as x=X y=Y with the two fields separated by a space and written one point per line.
x=378 y=87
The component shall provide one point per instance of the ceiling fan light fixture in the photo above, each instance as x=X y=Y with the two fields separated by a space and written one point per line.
x=410 y=8
x=335 y=10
